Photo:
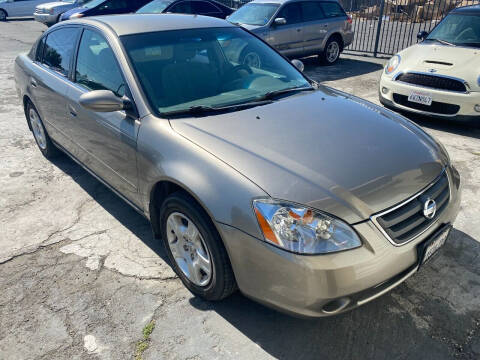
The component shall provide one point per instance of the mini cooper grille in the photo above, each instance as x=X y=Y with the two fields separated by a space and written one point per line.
x=436 y=107
x=407 y=221
x=432 y=81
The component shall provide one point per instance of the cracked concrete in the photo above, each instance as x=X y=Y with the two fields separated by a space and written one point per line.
x=81 y=274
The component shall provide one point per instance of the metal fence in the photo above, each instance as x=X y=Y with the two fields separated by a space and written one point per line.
x=384 y=27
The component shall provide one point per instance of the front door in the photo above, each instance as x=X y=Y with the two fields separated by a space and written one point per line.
x=288 y=38
x=106 y=142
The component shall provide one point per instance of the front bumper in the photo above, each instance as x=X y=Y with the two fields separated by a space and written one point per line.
x=465 y=101
x=46 y=19
x=323 y=285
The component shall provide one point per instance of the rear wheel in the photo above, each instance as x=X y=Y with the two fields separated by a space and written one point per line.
x=332 y=51
x=3 y=15
x=194 y=248
x=40 y=134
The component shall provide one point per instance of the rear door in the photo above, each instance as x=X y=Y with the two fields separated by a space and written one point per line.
x=315 y=27
x=288 y=38
x=105 y=142
x=49 y=83
x=335 y=17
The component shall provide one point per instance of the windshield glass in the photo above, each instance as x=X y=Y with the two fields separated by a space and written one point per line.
x=253 y=14
x=211 y=67
x=154 y=7
x=93 y=3
x=457 y=29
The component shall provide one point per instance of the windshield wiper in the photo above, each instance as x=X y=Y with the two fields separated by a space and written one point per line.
x=204 y=109
x=272 y=94
x=444 y=42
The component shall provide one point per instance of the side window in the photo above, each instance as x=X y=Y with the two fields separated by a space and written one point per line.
x=39 y=49
x=312 y=11
x=292 y=13
x=114 y=5
x=203 y=7
x=96 y=67
x=59 y=48
x=183 y=7
x=332 y=9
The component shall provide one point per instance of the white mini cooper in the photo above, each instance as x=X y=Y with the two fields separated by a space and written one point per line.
x=441 y=75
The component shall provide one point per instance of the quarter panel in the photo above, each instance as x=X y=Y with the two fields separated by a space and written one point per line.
x=222 y=191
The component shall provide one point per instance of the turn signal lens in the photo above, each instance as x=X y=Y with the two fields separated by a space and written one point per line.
x=76 y=16
x=303 y=230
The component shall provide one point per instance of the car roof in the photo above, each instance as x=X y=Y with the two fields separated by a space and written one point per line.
x=142 y=23
x=283 y=1
x=472 y=9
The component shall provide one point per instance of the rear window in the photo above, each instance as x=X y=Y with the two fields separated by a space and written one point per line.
x=332 y=9
x=59 y=48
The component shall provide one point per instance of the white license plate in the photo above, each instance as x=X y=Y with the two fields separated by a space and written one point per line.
x=420 y=98
x=436 y=244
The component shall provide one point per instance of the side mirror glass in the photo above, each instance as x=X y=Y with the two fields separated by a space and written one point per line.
x=422 y=35
x=298 y=64
x=104 y=101
x=280 y=21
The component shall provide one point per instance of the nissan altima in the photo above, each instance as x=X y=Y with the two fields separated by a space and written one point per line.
x=305 y=198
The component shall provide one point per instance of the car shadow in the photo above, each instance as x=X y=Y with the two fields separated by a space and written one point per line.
x=343 y=68
x=413 y=321
x=117 y=207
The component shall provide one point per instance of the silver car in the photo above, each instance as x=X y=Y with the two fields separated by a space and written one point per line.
x=305 y=198
x=49 y=13
x=297 y=27
x=17 y=8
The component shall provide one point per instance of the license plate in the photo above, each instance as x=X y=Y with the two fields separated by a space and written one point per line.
x=420 y=98
x=430 y=247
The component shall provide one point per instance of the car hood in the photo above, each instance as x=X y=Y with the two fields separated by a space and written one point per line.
x=56 y=5
x=455 y=61
x=326 y=149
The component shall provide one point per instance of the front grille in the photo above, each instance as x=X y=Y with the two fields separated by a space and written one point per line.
x=407 y=221
x=41 y=11
x=432 y=81
x=436 y=107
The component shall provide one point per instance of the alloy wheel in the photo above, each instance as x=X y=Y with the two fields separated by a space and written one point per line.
x=38 y=130
x=333 y=51
x=189 y=249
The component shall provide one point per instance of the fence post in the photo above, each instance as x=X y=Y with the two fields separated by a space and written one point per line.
x=379 y=27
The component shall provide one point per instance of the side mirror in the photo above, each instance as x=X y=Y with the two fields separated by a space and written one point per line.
x=298 y=64
x=104 y=101
x=280 y=21
x=422 y=35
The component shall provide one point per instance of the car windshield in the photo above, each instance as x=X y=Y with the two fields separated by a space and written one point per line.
x=93 y=3
x=459 y=30
x=215 y=67
x=154 y=7
x=253 y=14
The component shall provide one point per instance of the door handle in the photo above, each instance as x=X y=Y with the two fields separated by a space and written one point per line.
x=33 y=82
x=72 y=111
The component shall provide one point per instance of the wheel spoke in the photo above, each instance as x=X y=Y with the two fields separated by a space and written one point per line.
x=191 y=232
x=203 y=263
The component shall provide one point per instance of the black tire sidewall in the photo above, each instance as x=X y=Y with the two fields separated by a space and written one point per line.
x=182 y=203
x=5 y=13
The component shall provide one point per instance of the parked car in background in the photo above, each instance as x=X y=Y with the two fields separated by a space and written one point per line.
x=103 y=7
x=297 y=27
x=199 y=7
x=439 y=76
x=18 y=8
x=305 y=198
x=49 y=13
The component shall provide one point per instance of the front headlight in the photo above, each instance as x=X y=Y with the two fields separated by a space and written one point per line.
x=76 y=16
x=392 y=64
x=303 y=230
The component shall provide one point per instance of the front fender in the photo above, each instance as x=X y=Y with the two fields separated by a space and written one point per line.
x=224 y=193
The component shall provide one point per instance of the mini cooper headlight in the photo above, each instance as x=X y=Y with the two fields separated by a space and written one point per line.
x=392 y=64
x=299 y=229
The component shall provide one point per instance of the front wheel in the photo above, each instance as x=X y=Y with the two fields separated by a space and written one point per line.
x=195 y=249
x=3 y=15
x=331 y=53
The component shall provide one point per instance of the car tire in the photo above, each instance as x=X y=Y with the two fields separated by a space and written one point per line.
x=332 y=51
x=3 y=15
x=250 y=58
x=178 y=213
x=43 y=140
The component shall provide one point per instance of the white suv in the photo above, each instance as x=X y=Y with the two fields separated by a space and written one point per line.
x=18 y=8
